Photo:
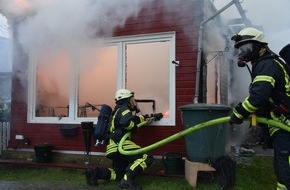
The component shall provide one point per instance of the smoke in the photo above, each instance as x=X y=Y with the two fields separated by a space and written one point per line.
x=275 y=26
x=48 y=27
x=51 y=24
x=55 y=24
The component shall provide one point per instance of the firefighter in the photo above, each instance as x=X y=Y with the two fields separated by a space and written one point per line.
x=124 y=168
x=269 y=94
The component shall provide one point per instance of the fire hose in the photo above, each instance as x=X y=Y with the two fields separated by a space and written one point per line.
x=190 y=130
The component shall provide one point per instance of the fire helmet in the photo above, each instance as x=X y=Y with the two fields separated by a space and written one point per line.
x=122 y=94
x=249 y=35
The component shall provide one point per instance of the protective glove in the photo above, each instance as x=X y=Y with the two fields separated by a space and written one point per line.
x=157 y=116
x=235 y=120
x=147 y=116
x=238 y=115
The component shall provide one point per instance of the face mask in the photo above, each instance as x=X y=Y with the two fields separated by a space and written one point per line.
x=133 y=105
x=245 y=48
x=245 y=52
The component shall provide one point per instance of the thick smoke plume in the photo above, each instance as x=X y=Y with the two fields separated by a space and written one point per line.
x=48 y=28
x=51 y=24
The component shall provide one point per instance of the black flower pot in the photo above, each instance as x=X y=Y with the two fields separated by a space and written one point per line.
x=43 y=153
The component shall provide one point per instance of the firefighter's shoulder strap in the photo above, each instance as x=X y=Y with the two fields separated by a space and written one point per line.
x=112 y=127
x=225 y=168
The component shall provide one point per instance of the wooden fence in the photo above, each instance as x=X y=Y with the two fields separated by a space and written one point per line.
x=4 y=135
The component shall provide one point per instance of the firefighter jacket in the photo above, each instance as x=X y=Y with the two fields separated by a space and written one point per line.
x=269 y=89
x=122 y=122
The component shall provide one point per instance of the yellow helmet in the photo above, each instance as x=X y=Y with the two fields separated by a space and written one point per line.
x=249 y=35
x=122 y=94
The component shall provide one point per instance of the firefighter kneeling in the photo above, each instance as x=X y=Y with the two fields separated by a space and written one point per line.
x=124 y=167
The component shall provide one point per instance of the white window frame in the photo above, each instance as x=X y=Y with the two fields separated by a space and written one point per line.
x=121 y=43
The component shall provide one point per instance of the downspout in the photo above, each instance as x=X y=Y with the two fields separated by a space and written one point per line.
x=199 y=47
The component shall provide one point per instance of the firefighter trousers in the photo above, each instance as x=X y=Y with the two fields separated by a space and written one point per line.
x=281 y=142
x=129 y=165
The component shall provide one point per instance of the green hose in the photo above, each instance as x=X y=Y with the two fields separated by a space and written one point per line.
x=190 y=130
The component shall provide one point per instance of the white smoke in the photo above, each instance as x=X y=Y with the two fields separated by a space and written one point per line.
x=53 y=24
x=275 y=24
x=42 y=26
x=274 y=17
x=49 y=26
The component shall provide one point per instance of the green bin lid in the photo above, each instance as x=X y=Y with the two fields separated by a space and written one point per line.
x=204 y=106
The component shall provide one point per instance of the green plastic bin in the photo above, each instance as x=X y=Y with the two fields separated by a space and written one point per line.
x=207 y=144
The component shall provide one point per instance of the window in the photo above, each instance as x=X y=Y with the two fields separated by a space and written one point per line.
x=52 y=86
x=69 y=87
x=97 y=80
x=143 y=62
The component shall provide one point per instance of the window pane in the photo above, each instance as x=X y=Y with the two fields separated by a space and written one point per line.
x=148 y=75
x=98 y=80
x=52 y=85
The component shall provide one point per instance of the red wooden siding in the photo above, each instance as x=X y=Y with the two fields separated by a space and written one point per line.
x=184 y=20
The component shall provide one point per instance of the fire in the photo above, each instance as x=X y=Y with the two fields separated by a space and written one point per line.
x=167 y=114
x=14 y=8
x=18 y=8
x=22 y=4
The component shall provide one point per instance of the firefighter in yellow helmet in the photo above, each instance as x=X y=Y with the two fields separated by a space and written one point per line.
x=124 y=167
x=269 y=95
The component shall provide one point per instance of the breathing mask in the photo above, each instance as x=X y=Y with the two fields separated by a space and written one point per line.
x=245 y=54
x=133 y=105
x=248 y=52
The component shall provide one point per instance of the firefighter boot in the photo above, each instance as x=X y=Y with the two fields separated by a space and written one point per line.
x=128 y=184
x=92 y=176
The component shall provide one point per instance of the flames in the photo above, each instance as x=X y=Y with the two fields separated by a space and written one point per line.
x=17 y=8
x=14 y=8
x=166 y=114
x=22 y=4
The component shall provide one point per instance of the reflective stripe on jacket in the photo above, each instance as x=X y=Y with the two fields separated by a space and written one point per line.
x=122 y=121
x=269 y=77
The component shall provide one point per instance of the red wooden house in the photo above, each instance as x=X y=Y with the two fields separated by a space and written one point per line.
x=167 y=52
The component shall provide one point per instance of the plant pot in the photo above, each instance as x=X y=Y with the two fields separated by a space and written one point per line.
x=43 y=153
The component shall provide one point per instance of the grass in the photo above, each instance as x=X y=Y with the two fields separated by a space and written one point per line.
x=256 y=175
